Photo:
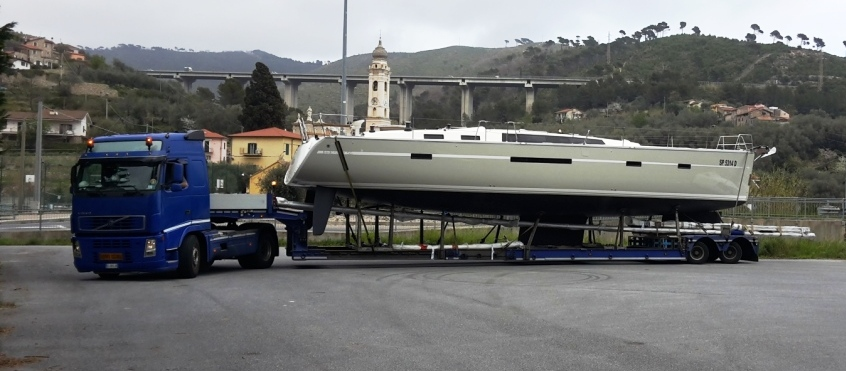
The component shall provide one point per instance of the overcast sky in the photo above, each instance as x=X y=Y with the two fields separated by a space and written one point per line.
x=308 y=30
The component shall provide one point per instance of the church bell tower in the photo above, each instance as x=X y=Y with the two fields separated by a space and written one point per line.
x=378 y=91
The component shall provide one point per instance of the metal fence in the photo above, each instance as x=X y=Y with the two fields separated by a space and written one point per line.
x=789 y=208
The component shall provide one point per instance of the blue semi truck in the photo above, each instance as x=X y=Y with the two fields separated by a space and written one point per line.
x=141 y=203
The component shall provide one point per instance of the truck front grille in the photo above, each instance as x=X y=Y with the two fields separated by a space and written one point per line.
x=112 y=223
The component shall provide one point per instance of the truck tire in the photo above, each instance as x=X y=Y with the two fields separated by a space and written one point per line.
x=189 y=258
x=732 y=253
x=263 y=257
x=108 y=276
x=698 y=253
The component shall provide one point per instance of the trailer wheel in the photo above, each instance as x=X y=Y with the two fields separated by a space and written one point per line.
x=108 y=276
x=189 y=258
x=732 y=253
x=263 y=257
x=698 y=254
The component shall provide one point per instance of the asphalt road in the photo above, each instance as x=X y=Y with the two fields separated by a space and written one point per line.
x=421 y=315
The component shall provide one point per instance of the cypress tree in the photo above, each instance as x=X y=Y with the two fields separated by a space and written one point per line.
x=263 y=105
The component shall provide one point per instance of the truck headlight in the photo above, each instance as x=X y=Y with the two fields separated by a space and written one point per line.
x=150 y=248
x=77 y=253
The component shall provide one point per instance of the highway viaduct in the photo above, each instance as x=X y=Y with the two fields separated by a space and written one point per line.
x=406 y=84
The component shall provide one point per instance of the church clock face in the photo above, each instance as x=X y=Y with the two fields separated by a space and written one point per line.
x=374 y=101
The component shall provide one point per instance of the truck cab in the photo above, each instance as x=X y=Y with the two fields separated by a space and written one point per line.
x=135 y=199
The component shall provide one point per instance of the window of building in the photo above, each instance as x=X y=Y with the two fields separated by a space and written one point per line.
x=65 y=128
x=386 y=86
x=287 y=149
x=375 y=86
x=206 y=146
x=252 y=148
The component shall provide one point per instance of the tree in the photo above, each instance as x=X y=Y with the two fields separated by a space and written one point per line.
x=506 y=43
x=750 y=37
x=230 y=92
x=6 y=33
x=696 y=30
x=776 y=35
x=622 y=33
x=789 y=39
x=803 y=38
x=844 y=43
x=205 y=94
x=819 y=43
x=755 y=28
x=564 y=42
x=682 y=25
x=263 y=105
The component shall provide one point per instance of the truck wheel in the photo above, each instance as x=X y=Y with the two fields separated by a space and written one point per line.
x=108 y=276
x=189 y=258
x=732 y=253
x=698 y=254
x=263 y=257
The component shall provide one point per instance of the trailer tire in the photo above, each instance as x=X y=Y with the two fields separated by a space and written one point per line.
x=264 y=256
x=189 y=258
x=732 y=253
x=698 y=253
x=108 y=276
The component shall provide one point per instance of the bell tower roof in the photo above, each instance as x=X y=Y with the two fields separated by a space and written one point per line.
x=380 y=52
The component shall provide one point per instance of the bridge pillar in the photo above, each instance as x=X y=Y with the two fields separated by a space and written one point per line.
x=466 y=102
x=406 y=102
x=187 y=83
x=290 y=92
x=530 y=97
x=349 y=108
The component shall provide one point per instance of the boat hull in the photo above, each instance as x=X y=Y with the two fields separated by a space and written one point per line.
x=525 y=179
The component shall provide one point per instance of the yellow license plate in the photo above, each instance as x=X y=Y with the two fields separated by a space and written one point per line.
x=111 y=256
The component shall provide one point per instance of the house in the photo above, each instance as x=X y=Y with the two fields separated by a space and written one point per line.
x=215 y=147
x=65 y=125
x=19 y=64
x=71 y=52
x=568 y=114
x=45 y=55
x=750 y=113
x=724 y=111
x=264 y=147
x=22 y=52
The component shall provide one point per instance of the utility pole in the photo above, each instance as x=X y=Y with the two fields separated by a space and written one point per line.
x=38 y=146
x=344 y=72
x=21 y=172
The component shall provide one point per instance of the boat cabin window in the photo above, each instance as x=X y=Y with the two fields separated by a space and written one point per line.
x=470 y=138
x=541 y=138
x=433 y=136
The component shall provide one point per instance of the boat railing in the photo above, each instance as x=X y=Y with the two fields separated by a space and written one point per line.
x=735 y=142
x=303 y=130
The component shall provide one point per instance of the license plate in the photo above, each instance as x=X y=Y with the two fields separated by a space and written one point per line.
x=111 y=256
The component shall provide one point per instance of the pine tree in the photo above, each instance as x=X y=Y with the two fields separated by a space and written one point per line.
x=263 y=105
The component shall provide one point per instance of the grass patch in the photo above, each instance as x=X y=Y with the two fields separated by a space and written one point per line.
x=36 y=238
x=801 y=249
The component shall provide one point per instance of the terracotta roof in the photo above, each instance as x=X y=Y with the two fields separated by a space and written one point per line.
x=268 y=132
x=210 y=134
x=61 y=115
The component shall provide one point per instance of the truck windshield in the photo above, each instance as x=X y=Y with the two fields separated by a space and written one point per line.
x=110 y=177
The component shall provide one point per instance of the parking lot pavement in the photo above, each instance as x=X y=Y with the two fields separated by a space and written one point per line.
x=423 y=315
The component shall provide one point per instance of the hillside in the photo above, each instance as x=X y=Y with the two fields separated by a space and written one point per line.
x=157 y=58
